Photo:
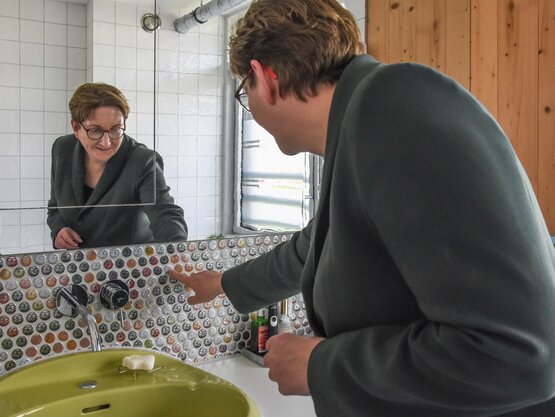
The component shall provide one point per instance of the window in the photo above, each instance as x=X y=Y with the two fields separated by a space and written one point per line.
x=274 y=191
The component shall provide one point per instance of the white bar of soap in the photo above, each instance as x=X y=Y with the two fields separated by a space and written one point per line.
x=144 y=362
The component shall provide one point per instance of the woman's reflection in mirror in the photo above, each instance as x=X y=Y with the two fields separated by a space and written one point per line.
x=107 y=189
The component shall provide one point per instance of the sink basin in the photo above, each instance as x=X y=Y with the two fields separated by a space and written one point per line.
x=58 y=387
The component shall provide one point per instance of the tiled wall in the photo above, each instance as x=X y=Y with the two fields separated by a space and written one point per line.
x=157 y=315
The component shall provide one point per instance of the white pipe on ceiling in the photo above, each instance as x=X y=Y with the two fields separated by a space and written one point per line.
x=203 y=13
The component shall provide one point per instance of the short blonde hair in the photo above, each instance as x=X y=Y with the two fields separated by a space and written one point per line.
x=89 y=96
x=305 y=42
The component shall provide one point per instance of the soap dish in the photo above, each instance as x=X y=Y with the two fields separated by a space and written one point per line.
x=122 y=369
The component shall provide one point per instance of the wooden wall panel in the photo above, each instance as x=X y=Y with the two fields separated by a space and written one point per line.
x=483 y=68
x=517 y=94
x=377 y=29
x=431 y=33
x=457 y=54
x=546 y=111
x=402 y=31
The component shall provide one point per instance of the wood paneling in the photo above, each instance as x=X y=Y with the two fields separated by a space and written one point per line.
x=503 y=51
x=546 y=111
x=377 y=29
x=483 y=68
x=517 y=92
x=457 y=41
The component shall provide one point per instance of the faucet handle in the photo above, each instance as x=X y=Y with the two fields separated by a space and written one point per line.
x=71 y=300
x=114 y=294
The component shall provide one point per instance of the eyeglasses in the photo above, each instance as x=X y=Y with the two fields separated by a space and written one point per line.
x=96 y=133
x=243 y=97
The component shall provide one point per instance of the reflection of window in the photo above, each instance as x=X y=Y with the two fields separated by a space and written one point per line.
x=273 y=191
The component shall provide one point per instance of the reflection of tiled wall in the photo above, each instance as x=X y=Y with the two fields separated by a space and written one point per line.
x=157 y=315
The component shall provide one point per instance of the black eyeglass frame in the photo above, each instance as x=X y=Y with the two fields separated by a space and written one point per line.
x=243 y=97
x=104 y=131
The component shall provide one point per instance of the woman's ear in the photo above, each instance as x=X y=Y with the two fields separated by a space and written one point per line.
x=74 y=127
x=266 y=81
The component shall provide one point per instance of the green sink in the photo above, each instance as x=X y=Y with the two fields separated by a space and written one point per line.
x=62 y=386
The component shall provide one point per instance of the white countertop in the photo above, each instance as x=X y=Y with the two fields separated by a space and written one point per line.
x=253 y=380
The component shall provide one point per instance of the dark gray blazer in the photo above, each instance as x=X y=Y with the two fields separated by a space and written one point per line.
x=134 y=175
x=428 y=266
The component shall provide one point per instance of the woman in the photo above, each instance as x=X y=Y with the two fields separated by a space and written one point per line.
x=106 y=188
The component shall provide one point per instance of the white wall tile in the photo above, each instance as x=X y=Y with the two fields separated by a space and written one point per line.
x=31 y=167
x=207 y=125
x=55 y=56
x=167 y=103
x=9 y=98
x=126 y=79
x=75 y=78
x=31 y=76
x=126 y=36
x=145 y=39
x=209 y=44
x=145 y=124
x=36 y=216
x=126 y=57
x=9 y=28
x=55 y=12
x=32 y=145
x=208 y=106
x=9 y=121
x=9 y=8
x=188 y=125
x=77 y=37
x=105 y=75
x=31 y=122
x=208 y=85
x=30 y=189
x=126 y=14
x=77 y=14
x=208 y=65
x=187 y=145
x=206 y=166
x=145 y=59
x=77 y=58
x=55 y=34
x=166 y=145
x=9 y=75
x=188 y=104
x=145 y=81
x=104 y=11
x=32 y=235
x=189 y=204
x=167 y=82
x=104 y=55
x=187 y=166
x=9 y=52
x=9 y=190
x=31 y=54
x=55 y=78
x=55 y=100
x=31 y=99
x=188 y=62
x=10 y=144
x=168 y=40
x=187 y=187
x=168 y=61
x=31 y=31
x=167 y=124
x=31 y=9
x=55 y=122
x=206 y=145
x=170 y=166
x=145 y=102
x=104 y=33
x=10 y=167
x=206 y=186
x=189 y=42
x=188 y=83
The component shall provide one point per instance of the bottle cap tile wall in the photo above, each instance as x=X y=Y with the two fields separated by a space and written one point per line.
x=157 y=315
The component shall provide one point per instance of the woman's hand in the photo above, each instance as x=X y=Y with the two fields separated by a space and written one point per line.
x=207 y=285
x=287 y=358
x=67 y=238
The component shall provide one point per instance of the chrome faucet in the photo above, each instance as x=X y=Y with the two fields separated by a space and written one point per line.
x=71 y=301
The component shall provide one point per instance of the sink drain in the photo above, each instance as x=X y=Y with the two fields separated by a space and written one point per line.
x=88 y=385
